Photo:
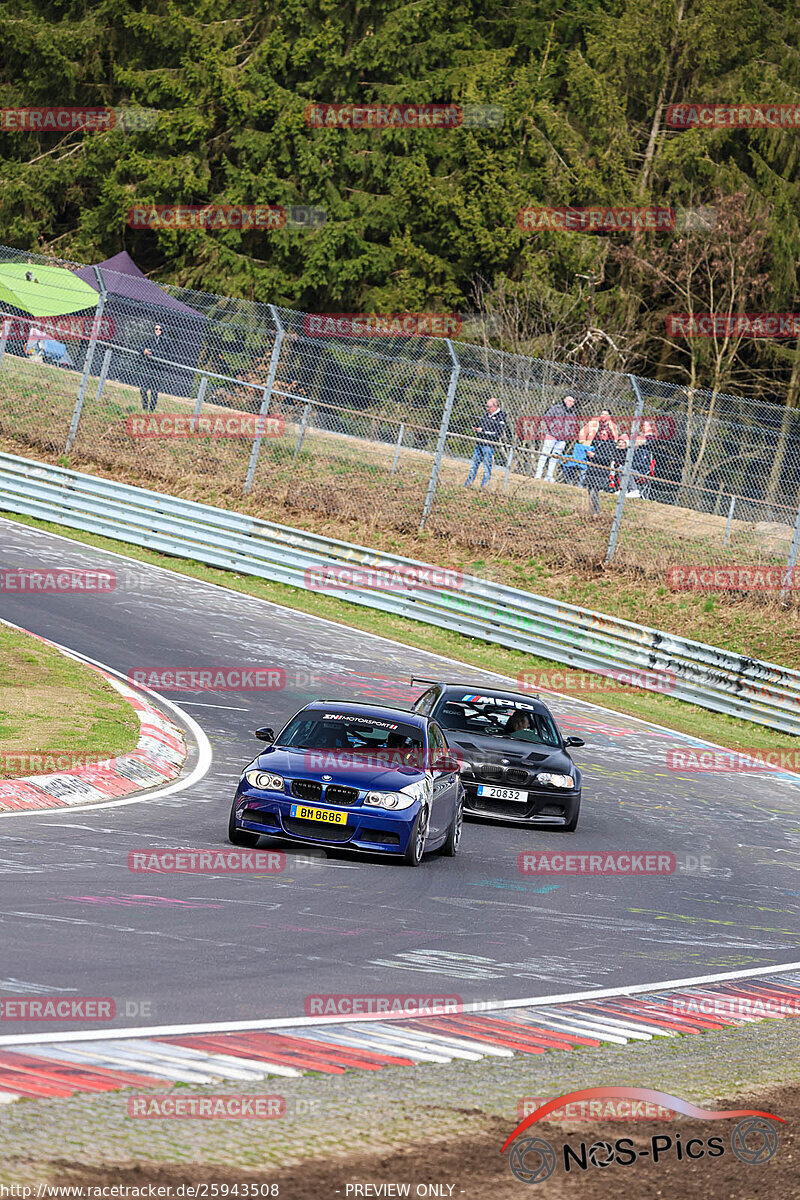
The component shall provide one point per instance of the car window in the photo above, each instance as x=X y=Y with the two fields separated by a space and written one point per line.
x=497 y=716
x=436 y=737
x=426 y=701
x=347 y=731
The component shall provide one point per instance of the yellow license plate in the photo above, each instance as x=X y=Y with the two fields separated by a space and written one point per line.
x=319 y=814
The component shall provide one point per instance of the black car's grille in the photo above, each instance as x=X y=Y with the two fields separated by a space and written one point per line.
x=322 y=831
x=515 y=776
x=336 y=794
x=307 y=789
x=499 y=808
x=494 y=773
x=489 y=772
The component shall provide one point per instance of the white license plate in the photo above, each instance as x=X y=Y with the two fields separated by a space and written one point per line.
x=500 y=793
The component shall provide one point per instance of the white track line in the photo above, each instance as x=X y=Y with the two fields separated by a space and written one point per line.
x=204 y=752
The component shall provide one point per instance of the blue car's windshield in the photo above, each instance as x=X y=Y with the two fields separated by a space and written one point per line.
x=496 y=716
x=348 y=731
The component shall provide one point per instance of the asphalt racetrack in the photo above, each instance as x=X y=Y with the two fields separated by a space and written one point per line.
x=173 y=948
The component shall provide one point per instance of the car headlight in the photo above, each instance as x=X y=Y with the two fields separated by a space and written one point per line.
x=558 y=781
x=394 y=800
x=265 y=781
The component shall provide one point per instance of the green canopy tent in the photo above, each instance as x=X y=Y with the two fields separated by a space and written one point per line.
x=30 y=290
x=44 y=291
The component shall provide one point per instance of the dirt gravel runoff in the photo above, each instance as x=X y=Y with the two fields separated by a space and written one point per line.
x=437 y=1131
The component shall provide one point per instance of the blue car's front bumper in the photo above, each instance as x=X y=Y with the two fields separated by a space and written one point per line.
x=369 y=829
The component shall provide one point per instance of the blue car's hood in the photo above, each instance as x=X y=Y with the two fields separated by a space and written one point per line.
x=308 y=764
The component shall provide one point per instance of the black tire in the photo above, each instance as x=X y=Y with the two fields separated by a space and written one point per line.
x=416 y=843
x=572 y=825
x=453 y=840
x=240 y=837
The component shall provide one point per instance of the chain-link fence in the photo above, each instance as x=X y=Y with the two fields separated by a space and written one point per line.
x=217 y=397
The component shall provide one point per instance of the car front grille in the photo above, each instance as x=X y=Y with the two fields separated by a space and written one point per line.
x=494 y=773
x=499 y=808
x=306 y=789
x=336 y=794
x=322 y=831
x=488 y=772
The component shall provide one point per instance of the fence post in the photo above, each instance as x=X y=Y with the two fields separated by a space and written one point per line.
x=400 y=433
x=265 y=399
x=788 y=579
x=730 y=521
x=198 y=404
x=87 y=366
x=626 y=472
x=302 y=433
x=440 y=441
x=101 y=383
x=508 y=468
x=5 y=325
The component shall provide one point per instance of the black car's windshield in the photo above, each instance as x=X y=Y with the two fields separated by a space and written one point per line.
x=348 y=731
x=496 y=716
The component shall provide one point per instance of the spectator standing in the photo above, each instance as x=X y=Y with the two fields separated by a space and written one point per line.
x=597 y=429
x=561 y=426
x=154 y=374
x=490 y=431
x=601 y=456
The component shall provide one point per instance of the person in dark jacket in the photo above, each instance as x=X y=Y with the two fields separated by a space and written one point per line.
x=601 y=457
x=560 y=425
x=491 y=429
x=154 y=374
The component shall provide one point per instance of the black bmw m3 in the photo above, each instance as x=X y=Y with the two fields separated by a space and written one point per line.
x=515 y=764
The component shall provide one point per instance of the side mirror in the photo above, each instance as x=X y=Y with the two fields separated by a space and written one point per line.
x=574 y=741
x=447 y=761
x=266 y=734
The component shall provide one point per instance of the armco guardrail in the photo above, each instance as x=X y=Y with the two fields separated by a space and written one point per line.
x=705 y=675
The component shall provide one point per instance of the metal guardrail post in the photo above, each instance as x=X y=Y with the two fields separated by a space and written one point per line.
x=87 y=366
x=443 y=430
x=302 y=433
x=788 y=579
x=201 y=395
x=265 y=399
x=101 y=382
x=730 y=521
x=399 y=443
x=627 y=470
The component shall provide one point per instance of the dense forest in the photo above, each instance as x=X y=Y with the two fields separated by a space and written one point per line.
x=426 y=220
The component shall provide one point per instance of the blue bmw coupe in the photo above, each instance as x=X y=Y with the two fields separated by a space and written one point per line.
x=360 y=776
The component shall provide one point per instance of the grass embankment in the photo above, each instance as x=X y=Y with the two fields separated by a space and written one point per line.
x=649 y=706
x=345 y=484
x=49 y=702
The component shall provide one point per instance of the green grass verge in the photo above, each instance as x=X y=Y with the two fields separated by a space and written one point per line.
x=49 y=702
x=657 y=707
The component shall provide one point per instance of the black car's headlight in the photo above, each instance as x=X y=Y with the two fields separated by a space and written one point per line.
x=265 y=781
x=557 y=781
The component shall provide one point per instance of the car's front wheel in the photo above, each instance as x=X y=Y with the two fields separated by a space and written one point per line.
x=416 y=843
x=453 y=839
x=240 y=837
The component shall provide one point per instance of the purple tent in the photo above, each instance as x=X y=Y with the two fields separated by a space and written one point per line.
x=134 y=304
